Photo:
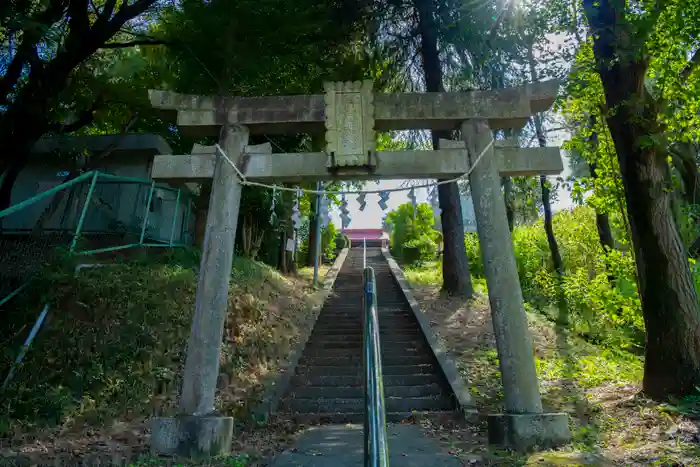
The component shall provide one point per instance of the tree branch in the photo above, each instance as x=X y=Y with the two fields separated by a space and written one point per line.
x=106 y=14
x=79 y=19
x=85 y=118
x=32 y=32
x=127 y=12
x=123 y=45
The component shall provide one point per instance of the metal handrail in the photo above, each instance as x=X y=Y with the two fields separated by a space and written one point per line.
x=364 y=253
x=376 y=447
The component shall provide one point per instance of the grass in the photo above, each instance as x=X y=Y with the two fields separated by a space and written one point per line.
x=111 y=353
x=430 y=274
x=599 y=387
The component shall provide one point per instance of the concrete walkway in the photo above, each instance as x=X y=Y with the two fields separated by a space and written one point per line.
x=343 y=446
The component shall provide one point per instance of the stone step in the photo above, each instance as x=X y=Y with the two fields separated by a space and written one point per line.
x=393 y=404
x=352 y=360
x=358 y=380
x=355 y=335
x=384 y=318
x=392 y=345
x=343 y=353
x=345 y=349
x=327 y=384
x=353 y=417
x=357 y=370
x=349 y=335
x=340 y=328
x=358 y=392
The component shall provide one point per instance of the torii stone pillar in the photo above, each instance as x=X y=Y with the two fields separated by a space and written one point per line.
x=198 y=431
x=524 y=424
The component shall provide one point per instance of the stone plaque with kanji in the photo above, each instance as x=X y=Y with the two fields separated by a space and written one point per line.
x=349 y=123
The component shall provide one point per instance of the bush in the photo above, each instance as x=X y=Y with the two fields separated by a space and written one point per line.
x=328 y=236
x=471 y=244
x=586 y=298
x=341 y=241
x=405 y=226
x=419 y=250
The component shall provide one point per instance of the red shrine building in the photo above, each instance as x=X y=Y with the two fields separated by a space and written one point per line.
x=373 y=237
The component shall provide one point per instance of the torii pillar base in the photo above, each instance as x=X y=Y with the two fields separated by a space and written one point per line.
x=524 y=432
x=192 y=436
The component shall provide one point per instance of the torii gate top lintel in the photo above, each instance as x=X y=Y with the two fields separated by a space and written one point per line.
x=503 y=108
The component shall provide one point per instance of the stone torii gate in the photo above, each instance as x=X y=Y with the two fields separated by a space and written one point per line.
x=349 y=114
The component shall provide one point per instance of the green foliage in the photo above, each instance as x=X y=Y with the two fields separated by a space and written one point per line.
x=592 y=305
x=113 y=344
x=92 y=362
x=328 y=239
x=688 y=405
x=341 y=241
x=471 y=244
x=296 y=46
x=419 y=250
x=405 y=227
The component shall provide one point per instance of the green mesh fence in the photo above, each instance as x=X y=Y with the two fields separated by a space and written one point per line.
x=91 y=214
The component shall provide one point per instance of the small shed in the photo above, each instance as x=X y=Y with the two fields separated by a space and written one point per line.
x=118 y=205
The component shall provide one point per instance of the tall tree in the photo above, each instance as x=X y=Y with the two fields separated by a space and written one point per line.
x=627 y=41
x=455 y=267
x=602 y=219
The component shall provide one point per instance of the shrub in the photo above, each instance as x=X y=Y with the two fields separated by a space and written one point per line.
x=410 y=223
x=471 y=244
x=341 y=241
x=328 y=236
x=597 y=295
x=419 y=250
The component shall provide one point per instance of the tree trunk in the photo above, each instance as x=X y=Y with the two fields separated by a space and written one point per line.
x=602 y=221
x=455 y=266
x=547 y=207
x=282 y=258
x=669 y=300
x=507 y=183
x=549 y=228
x=544 y=186
x=311 y=252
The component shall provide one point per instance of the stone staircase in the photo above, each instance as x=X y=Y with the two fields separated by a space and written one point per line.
x=327 y=386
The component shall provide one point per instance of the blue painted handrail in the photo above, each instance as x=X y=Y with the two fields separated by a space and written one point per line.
x=376 y=445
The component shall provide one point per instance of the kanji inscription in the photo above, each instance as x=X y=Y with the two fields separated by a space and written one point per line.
x=349 y=119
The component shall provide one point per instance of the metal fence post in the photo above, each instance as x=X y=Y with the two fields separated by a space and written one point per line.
x=79 y=227
x=317 y=253
x=184 y=233
x=177 y=209
x=145 y=215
